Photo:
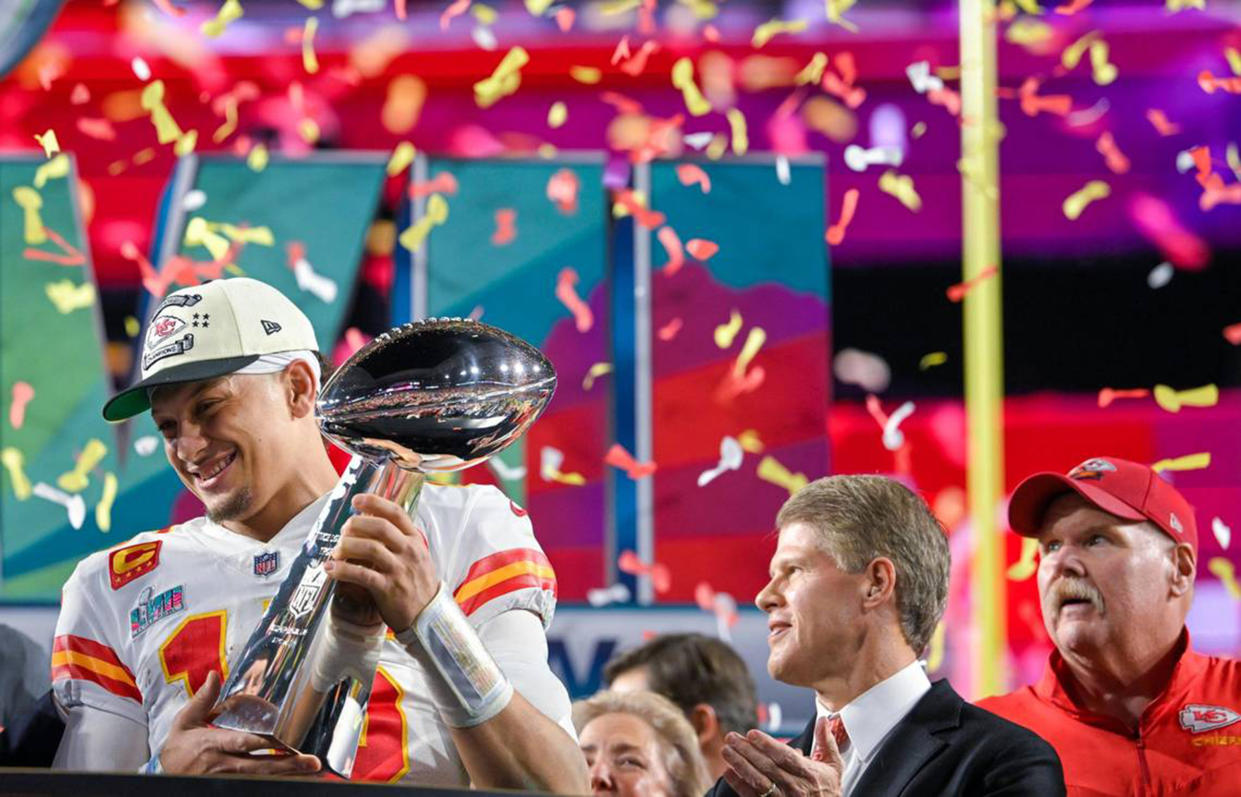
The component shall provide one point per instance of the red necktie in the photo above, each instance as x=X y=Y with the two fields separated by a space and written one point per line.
x=836 y=727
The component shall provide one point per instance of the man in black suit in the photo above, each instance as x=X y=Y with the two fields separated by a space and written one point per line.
x=858 y=583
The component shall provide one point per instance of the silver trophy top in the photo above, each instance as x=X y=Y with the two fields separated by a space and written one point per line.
x=436 y=395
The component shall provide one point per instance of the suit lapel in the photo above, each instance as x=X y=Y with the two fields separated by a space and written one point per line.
x=912 y=742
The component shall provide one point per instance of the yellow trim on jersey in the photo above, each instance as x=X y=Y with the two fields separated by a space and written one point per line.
x=62 y=657
x=184 y=675
x=471 y=588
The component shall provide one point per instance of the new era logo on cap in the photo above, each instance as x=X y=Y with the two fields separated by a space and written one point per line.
x=270 y=327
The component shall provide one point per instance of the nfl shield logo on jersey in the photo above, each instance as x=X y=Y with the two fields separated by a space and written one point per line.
x=266 y=563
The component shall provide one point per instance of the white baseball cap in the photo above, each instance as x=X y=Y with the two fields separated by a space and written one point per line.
x=211 y=330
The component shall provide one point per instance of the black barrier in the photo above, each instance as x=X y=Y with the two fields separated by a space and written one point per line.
x=42 y=783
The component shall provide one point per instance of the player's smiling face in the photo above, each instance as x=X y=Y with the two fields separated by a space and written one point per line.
x=222 y=436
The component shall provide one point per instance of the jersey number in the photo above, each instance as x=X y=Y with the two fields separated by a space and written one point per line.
x=194 y=649
x=383 y=754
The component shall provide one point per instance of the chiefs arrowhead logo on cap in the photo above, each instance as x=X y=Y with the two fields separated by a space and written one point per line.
x=1197 y=718
x=1091 y=470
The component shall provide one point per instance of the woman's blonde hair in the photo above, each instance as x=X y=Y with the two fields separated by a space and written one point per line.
x=678 y=744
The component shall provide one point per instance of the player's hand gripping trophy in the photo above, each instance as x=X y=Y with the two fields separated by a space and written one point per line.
x=437 y=395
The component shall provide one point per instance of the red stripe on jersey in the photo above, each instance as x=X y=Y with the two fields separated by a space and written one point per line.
x=497 y=560
x=523 y=581
x=80 y=644
x=84 y=659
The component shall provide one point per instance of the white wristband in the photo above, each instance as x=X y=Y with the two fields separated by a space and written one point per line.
x=349 y=649
x=467 y=685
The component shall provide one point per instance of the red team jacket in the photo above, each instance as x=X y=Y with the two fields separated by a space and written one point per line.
x=1188 y=741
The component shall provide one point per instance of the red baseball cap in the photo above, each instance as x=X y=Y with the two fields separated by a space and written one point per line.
x=1126 y=489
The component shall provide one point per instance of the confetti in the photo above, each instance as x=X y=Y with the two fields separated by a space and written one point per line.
x=604 y=596
x=199 y=232
x=737 y=126
x=504 y=471
x=772 y=28
x=698 y=140
x=812 y=72
x=1073 y=6
x=1225 y=571
x=29 y=200
x=1076 y=202
x=1102 y=72
x=166 y=129
x=628 y=201
x=402 y=156
x=958 y=292
x=848 y=206
x=1107 y=395
x=22 y=395
x=720 y=604
x=77 y=480
x=506 y=227
x=732 y=385
x=835 y=13
x=1174 y=6
x=1028 y=33
x=597 y=370
x=550 y=460
x=770 y=470
x=692 y=174
x=145 y=446
x=15 y=462
x=74 y=505
x=504 y=81
x=618 y=457
x=435 y=215
x=557 y=115
x=1223 y=534
x=1172 y=400
x=1112 y=156
x=670 y=330
x=754 y=341
x=49 y=143
x=839 y=83
x=901 y=186
x=69 y=254
x=229 y=12
x=1189 y=462
x=636 y=64
x=441 y=183
x=67 y=296
x=80 y=95
x=1153 y=217
x=1232 y=333
x=564 y=19
x=701 y=249
x=859 y=158
x=310 y=62
x=1160 y=275
x=484 y=38
x=588 y=75
x=661 y=578
x=893 y=437
x=321 y=287
x=920 y=77
x=1160 y=122
x=750 y=442
x=562 y=188
x=96 y=128
x=403 y=104
x=1032 y=103
x=671 y=242
x=1025 y=566
x=566 y=292
x=454 y=9
x=867 y=371
x=140 y=68
x=1209 y=83
x=725 y=334
x=731 y=455
x=103 y=509
x=931 y=360
x=683 y=79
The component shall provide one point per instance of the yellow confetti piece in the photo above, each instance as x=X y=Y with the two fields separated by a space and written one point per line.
x=436 y=214
x=1187 y=462
x=717 y=147
x=683 y=79
x=935 y=658
x=310 y=62
x=15 y=462
x=774 y=27
x=228 y=13
x=702 y=9
x=750 y=441
x=538 y=7
x=835 y=13
x=1026 y=32
x=198 y=232
x=313 y=5
x=1174 y=6
x=30 y=201
x=1227 y=574
x=597 y=370
x=262 y=236
x=1234 y=60
x=1072 y=55
x=144 y=155
x=78 y=479
x=486 y=15
x=586 y=74
x=1172 y=400
x=931 y=360
x=547 y=151
x=166 y=129
x=1102 y=72
x=725 y=334
x=753 y=342
x=1233 y=159
x=918 y=130
x=812 y=72
x=571 y=479
x=230 y=123
x=740 y=138
x=132 y=326
x=185 y=144
x=401 y=157
x=901 y=186
x=1024 y=567
x=1029 y=6
x=257 y=158
x=57 y=167
x=49 y=143
x=557 y=115
x=504 y=81
x=1077 y=201
x=68 y=297
x=308 y=129
x=770 y=470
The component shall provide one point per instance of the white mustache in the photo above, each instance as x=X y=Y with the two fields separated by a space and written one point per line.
x=1075 y=589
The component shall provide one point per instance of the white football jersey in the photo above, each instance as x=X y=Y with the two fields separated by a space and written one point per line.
x=142 y=624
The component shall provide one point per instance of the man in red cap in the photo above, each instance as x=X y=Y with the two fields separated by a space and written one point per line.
x=1126 y=702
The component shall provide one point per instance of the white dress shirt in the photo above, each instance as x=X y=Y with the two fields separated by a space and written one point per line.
x=872 y=715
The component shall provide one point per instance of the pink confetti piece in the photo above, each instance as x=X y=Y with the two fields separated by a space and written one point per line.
x=701 y=249
x=562 y=188
x=442 y=183
x=566 y=292
x=661 y=578
x=1232 y=333
x=618 y=457
x=506 y=227
x=959 y=291
x=454 y=10
x=672 y=245
x=645 y=217
x=1107 y=395
x=692 y=174
x=22 y=394
x=564 y=19
x=670 y=330
x=848 y=206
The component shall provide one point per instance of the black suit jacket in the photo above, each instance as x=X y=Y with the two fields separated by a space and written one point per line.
x=947 y=746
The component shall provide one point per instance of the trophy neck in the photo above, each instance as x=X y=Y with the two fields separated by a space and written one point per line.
x=399 y=485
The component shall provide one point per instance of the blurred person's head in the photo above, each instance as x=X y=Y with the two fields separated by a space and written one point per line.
x=638 y=744
x=1118 y=549
x=858 y=583
x=703 y=676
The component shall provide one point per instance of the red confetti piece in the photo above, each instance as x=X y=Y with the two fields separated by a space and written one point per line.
x=566 y=292
x=946 y=97
x=1032 y=102
x=564 y=19
x=721 y=604
x=848 y=206
x=399 y=7
x=621 y=52
x=1073 y=7
x=732 y=386
x=22 y=394
x=80 y=95
x=1160 y=121
x=629 y=562
x=646 y=17
x=670 y=330
x=294 y=251
x=959 y=291
x=1107 y=395
x=69 y=254
x=645 y=217
x=692 y=174
x=1154 y=218
x=618 y=457
x=562 y=189
x=1232 y=333
x=672 y=245
x=97 y=128
x=710 y=33
x=637 y=64
x=701 y=249
x=621 y=103
x=1209 y=83
x=454 y=10
x=1112 y=156
x=506 y=227
x=442 y=183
